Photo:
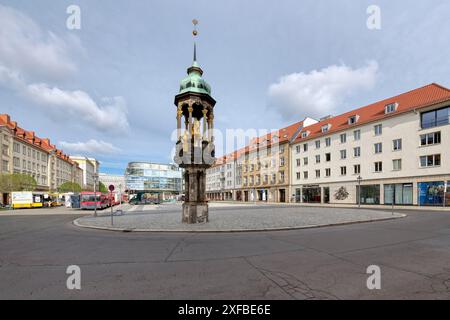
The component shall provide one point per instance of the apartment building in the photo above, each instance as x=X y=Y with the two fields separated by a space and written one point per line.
x=24 y=152
x=266 y=165
x=395 y=151
x=215 y=180
x=90 y=167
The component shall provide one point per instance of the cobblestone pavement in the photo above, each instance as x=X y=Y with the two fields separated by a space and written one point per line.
x=234 y=217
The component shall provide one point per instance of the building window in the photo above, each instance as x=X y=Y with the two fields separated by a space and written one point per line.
x=305 y=161
x=327 y=157
x=327 y=172
x=378 y=147
x=305 y=174
x=357 y=135
x=378 y=129
x=5 y=150
x=317 y=144
x=430 y=161
x=327 y=142
x=305 y=147
x=5 y=166
x=282 y=162
x=16 y=162
x=398 y=193
x=343 y=171
x=397 y=144
x=304 y=134
x=370 y=194
x=298 y=175
x=352 y=120
x=389 y=108
x=325 y=128
x=397 y=164
x=343 y=154
x=298 y=162
x=16 y=147
x=378 y=166
x=435 y=118
x=430 y=138
x=357 y=152
x=317 y=173
x=357 y=169
x=343 y=138
x=431 y=193
x=297 y=148
x=318 y=158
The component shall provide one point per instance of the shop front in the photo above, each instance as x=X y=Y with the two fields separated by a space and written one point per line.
x=398 y=194
x=311 y=194
x=262 y=195
x=432 y=193
x=370 y=194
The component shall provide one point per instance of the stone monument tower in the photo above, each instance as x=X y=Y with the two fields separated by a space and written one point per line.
x=195 y=141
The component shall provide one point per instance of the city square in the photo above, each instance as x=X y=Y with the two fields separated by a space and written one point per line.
x=317 y=263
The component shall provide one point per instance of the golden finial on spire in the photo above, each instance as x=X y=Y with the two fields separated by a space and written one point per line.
x=195 y=22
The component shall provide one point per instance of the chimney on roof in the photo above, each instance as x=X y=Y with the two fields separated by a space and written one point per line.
x=47 y=141
x=5 y=117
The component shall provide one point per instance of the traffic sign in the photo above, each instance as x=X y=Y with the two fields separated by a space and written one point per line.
x=111 y=187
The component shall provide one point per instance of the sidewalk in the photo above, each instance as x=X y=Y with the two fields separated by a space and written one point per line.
x=323 y=205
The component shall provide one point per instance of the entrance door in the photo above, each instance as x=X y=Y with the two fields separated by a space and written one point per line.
x=282 y=195
x=246 y=196
x=326 y=195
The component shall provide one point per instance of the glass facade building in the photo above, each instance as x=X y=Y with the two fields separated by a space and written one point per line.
x=163 y=180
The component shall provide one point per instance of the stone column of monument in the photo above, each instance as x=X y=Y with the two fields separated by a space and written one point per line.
x=195 y=147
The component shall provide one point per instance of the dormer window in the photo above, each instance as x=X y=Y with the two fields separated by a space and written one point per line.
x=391 y=107
x=326 y=127
x=353 y=119
x=305 y=134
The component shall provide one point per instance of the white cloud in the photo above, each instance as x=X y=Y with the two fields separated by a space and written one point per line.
x=111 y=117
x=319 y=93
x=29 y=56
x=92 y=147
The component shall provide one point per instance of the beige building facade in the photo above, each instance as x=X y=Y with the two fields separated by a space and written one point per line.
x=24 y=152
x=389 y=151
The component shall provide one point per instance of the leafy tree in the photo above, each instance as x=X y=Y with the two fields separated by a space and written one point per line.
x=69 y=187
x=17 y=182
x=102 y=187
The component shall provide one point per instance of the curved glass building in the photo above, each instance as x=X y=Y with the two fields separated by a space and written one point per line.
x=153 y=181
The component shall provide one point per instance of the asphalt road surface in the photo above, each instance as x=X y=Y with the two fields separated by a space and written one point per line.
x=413 y=254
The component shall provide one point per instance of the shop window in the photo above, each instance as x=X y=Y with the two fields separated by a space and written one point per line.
x=370 y=194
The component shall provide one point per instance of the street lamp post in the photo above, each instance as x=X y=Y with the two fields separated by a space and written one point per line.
x=95 y=176
x=359 y=190
x=120 y=196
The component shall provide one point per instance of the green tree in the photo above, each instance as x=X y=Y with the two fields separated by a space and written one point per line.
x=69 y=187
x=102 y=187
x=17 y=182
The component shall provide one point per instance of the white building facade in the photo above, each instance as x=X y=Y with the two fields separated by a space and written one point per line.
x=397 y=150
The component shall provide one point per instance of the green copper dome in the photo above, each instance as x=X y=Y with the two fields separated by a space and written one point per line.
x=194 y=81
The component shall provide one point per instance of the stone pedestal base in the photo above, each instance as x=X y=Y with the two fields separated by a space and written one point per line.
x=194 y=212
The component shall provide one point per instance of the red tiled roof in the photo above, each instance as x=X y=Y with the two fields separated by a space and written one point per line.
x=31 y=138
x=415 y=99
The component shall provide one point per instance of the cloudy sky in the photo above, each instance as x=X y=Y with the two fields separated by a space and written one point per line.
x=107 y=89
